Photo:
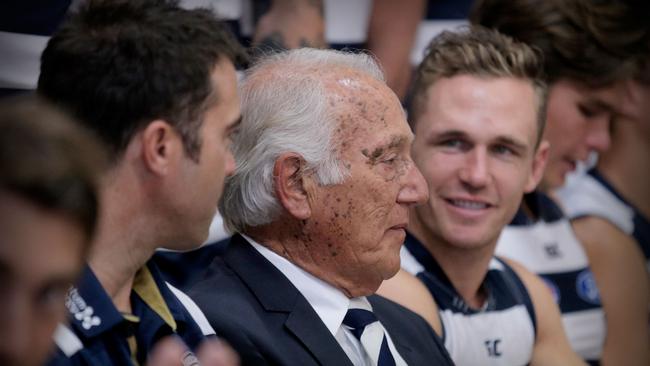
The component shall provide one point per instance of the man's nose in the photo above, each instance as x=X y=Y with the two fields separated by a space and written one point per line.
x=415 y=190
x=474 y=171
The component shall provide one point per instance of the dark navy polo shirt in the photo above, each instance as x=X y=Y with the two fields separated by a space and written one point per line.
x=98 y=332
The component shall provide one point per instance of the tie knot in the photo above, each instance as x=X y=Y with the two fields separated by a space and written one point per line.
x=358 y=319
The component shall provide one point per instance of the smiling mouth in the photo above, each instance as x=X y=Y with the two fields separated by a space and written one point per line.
x=468 y=205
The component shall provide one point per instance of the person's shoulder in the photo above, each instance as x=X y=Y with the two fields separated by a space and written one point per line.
x=410 y=330
x=234 y=312
x=219 y=284
x=224 y=298
x=407 y=290
x=183 y=269
x=383 y=305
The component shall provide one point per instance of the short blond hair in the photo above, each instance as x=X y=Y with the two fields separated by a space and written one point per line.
x=481 y=52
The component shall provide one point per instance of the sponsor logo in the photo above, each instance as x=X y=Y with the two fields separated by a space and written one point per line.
x=81 y=311
x=586 y=287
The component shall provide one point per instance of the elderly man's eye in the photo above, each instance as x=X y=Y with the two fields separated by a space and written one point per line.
x=390 y=160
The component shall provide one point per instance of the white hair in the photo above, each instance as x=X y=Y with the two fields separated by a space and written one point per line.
x=285 y=108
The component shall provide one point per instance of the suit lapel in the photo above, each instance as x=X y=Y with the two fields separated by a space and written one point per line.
x=403 y=348
x=277 y=294
x=312 y=333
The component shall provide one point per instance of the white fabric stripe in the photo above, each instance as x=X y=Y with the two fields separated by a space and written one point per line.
x=465 y=336
x=194 y=310
x=495 y=264
x=21 y=59
x=371 y=339
x=225 y=9
x=586 y=196
x=409 y=263
x=528 y=245
x=399 y=361
x=347 y=21
x=586 y=331
x=67 y=341
x=373 y=335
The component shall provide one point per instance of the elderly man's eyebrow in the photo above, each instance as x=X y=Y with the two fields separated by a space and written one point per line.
x=395 y=143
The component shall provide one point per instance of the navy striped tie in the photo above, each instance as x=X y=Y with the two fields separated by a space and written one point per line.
x=373 y=341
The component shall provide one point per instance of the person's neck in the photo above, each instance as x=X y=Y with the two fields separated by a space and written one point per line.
x=465 y=268
x=624 y=166
x=124 y=242
x=296 y=243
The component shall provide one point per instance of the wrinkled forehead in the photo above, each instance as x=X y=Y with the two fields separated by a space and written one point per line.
x=362 y=103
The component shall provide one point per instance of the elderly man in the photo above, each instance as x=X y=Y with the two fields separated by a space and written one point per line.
x=320 y=198
x=165 y=103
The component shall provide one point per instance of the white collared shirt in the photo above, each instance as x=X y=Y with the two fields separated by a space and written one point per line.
x=329 y=303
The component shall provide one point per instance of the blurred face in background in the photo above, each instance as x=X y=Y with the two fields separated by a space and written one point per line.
x=40 y=257
x=577 y=124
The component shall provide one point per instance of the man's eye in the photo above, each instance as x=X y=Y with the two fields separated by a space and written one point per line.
x=453 y=144
x=587 y=112
x=503 y=150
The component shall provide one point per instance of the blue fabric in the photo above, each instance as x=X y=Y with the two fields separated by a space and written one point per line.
x=448 y=9
x=252 y=305
x=104 y=331
x=184 y=269
x=504 y=288
x=358 y=320
x=542 y=207
x=641 y=232
x=37 y=17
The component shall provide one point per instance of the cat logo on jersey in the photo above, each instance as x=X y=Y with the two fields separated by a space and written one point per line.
x=586 y=287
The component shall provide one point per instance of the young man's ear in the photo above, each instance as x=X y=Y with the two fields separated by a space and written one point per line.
x=539 y=165
x=161 y=147
x=291 y=185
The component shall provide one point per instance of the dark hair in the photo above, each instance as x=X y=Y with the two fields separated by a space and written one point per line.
x=481 y=52
x=116 y=65
x=49 y=160
x=558 y=29
x=621 y=27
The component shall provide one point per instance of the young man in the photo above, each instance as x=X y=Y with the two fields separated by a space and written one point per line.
x=49 y=174
x=478 y=115
x=605 y=313
x=609 y=205
x=158 y=85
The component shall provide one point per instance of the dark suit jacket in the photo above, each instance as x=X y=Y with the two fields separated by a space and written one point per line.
x=264 y=317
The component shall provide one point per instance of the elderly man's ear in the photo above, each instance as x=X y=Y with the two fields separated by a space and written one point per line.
x=292 y=185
